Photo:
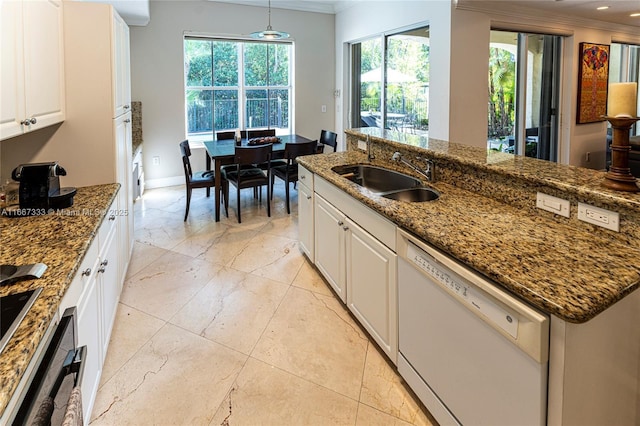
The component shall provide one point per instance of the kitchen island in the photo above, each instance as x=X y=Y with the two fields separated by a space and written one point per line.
x=582 y=275
x=60 y=240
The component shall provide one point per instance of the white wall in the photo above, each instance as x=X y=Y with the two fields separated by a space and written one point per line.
x=157 y=70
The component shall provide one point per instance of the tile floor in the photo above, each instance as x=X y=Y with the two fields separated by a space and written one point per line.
x=228 y=324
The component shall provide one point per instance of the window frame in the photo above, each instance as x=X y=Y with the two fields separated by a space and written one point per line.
x=241 y=88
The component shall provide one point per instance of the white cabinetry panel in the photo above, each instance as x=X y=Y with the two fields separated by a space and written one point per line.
x=33 y=89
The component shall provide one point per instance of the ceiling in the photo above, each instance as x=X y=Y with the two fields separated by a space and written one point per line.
x=136 y=12
x=619 y=11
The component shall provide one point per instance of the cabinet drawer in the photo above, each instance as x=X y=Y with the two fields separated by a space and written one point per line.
x=305 y=176
x=108 y=224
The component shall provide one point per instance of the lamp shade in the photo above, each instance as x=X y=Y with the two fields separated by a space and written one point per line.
x=622 y=100
x=269 y=33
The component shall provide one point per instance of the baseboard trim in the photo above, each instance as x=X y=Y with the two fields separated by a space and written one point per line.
x=164 y=182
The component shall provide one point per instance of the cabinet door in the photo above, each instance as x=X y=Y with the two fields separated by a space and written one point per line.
x=305 y=220
x=43 y=63
x=32 y=66
x=330 y=244
x=372 y=287
x=122 y=66
x=124 y=206
x=12 y=70
x=108 y=273
x=90 y=335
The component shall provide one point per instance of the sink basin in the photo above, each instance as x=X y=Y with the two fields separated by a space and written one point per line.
x=413 y=195
x=377 y=179
x=387 y=183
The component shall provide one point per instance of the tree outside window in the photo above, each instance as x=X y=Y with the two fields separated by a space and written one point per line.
x=236 y=84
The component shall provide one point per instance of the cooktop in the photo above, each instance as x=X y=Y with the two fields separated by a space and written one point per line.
x=13 y=309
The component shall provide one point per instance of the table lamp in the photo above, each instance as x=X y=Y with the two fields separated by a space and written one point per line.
x=622 y=110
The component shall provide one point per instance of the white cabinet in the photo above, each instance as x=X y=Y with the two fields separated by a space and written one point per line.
x=108 y=279
x=95 y=291
x=122 y=67
x=96 y=139
x=90 y=335
x=372 y=287
x=32 y=66
x=124 y=174
x=330 y=245
x=354 y=251
x=305 y=212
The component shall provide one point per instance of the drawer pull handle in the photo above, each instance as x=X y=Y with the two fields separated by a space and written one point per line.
x=340 y=223
x=345 y=228
x=33 y=120
x=303 y=177
x=104 y=262
x=112 y=217
x=308 y=197
x=86 y=272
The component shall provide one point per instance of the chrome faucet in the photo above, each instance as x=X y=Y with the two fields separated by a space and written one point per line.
x=429 y=173
x=370 y=155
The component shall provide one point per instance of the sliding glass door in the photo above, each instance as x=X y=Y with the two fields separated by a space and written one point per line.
x=524 y=81
x=390 y=81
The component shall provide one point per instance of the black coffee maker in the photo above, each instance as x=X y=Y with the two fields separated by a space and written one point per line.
x=40 y=187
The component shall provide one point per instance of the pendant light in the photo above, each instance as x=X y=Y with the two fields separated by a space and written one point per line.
x=269 y=33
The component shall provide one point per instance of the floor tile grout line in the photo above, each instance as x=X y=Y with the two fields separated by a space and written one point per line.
x=270 y=226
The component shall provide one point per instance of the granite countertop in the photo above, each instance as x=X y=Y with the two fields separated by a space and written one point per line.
x=59 y=240
x=568 y=272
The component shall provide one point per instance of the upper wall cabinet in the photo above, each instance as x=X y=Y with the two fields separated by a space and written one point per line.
x=31 y=66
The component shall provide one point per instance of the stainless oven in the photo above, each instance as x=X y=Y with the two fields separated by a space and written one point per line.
x=57 y=379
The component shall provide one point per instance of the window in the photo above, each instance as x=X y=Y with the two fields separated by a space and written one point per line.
x=390 y=81
x=233 y=84
x=624 y=66
x=524 y=81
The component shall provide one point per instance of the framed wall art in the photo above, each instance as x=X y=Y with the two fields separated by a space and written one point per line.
x=593 y=82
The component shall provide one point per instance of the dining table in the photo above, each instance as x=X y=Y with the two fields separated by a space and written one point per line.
x=222 y=152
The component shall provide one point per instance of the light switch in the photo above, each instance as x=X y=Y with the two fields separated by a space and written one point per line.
x=553 y=204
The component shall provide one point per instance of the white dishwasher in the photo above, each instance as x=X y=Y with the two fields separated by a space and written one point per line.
x=473 y=353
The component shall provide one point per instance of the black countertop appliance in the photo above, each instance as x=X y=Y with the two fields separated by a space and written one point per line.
x=40 y=188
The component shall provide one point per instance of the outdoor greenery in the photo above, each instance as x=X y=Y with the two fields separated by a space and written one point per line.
x=215 y=86
x=408 y=58
x=502 y=79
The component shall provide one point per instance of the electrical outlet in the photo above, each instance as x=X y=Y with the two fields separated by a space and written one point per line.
x=324 y=108
x=156 y=160
x=553 y=204
x=597 y=216
x=362 y=145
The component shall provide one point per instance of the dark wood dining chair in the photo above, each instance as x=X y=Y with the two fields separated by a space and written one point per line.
x=260 y=133
x=198 y=179
x=246 y=175
x=220 y=136
x=328 y=138
x=289 y=171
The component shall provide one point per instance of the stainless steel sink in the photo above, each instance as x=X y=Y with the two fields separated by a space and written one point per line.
x=377 y=179
x=413 y=195
x=387 y=183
